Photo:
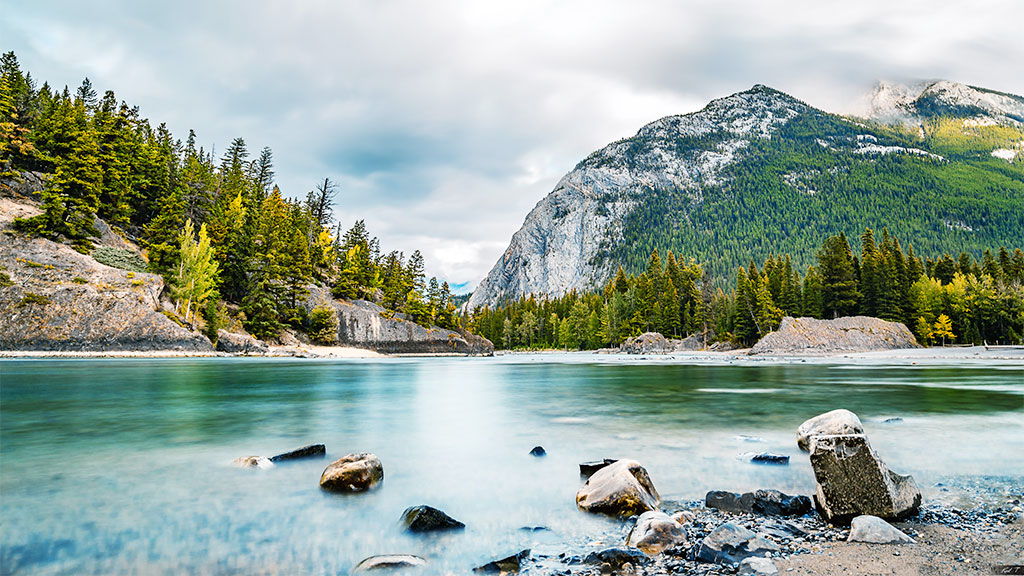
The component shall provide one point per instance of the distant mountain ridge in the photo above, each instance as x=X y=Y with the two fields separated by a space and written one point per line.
x=761 y=171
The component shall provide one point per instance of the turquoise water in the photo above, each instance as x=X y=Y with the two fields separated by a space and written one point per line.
x=123 y=466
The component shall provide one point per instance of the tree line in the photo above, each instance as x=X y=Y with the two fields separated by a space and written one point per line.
x=221 y=233
x=945 y=300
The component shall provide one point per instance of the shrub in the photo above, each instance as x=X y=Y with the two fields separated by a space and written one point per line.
x=79 y=280
x=121 y=258
x=323 y=325
x=5 y=280
x=33 y=298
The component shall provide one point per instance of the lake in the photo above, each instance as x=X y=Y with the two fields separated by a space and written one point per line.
x=114 y=466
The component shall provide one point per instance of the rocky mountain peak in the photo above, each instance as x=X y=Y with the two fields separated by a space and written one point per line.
x=895 y=102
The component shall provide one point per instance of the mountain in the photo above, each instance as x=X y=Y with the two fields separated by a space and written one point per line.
x=761 y=171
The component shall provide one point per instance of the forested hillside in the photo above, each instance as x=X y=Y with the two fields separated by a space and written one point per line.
x=942 y=300
x=218 y=230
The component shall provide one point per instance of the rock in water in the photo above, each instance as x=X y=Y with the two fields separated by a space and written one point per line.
x=853 y=481
x=510 y=564
x=353 y=473
x=842 y=335
x=874 y=530
x=620 y=489
x=429 y=519
x=390 y=561
x=311 y=451
x=588 y=468
x=654 y=532
x=252 y=462
x=830 y=423
x=731 y=543
x=769 y=458
x=538 y=451
x=757 y=567
x=615 y=558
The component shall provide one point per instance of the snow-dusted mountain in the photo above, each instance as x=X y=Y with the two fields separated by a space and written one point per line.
x=700 y=183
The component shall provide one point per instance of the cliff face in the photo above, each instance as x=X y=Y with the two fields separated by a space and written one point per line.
x=842 y=335
x=363 y=324
x=55 y=298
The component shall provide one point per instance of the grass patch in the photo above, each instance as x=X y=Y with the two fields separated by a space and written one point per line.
x=33 y=298
x=120 y=258
x=5 y=280
x=79 y=280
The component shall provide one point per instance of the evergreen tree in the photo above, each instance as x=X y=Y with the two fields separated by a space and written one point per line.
x=839 y=293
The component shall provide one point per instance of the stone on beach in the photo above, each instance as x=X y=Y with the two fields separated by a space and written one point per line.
x=757 y=566
x=874 y=530
x=852 y=481
x=621 y=489
x=252 y=462
x=830 y=423
x=428 y=519
x=766 y=502
x=508 y=564
x=616 y=557
x=311 y=451
x=730 y=543
x=654 y=532
x=357 y=472
x=390 y=562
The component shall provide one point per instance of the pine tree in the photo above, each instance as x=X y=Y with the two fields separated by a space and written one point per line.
x=839 y=293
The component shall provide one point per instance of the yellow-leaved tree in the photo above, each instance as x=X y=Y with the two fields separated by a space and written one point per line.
x=943 y=328
x=196 y=278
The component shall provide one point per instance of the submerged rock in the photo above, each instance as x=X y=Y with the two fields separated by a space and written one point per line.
x=730 y=543
x=311 y=451
x=874 y=530
x=769 y=458
x=354 y=473
x=428 y=519
x=508 y=564
x=830 y=423
x=853 y=481
x=538 y=451
x=620 y=489
x=588 y=468
x=252 y=462
x=850 y=334
x=654 y=532
x=390 y=562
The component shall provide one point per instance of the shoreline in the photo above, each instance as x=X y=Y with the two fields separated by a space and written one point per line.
x=908 y=356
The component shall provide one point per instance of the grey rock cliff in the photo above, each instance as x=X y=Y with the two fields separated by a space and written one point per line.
x=560 y=244
x=59 y=299
x=842 y=335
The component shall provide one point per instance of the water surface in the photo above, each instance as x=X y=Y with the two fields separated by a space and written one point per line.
x=122 y=465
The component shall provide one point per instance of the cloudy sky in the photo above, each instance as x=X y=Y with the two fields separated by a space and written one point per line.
x=444 y=122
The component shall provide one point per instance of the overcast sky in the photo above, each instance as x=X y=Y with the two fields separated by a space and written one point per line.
x=444 y=122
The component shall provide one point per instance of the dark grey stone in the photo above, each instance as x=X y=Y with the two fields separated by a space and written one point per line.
x=429 y=519
x=508 y=564
x=311 y=451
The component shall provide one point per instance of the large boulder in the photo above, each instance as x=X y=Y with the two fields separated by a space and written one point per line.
x=874 y=530
x=646 y=343
x=354 y=473
x=429 y=519
x=730 y=543
x=852 y=481
x=809 y=336
x=830 y=423
x=655 y=532
x=621 y=489
x=236 y=343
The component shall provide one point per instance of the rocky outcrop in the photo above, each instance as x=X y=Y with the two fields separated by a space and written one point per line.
x=853 y=481
x=655 y=343
x=61 y=300
x=730 y=543
x=429 y=519
x=235 y=343
x=363 y=324
x=353 y=473
x=913 y=103
x=829 y=424
x=874 y=530
x=654 y=532
x=620 y=489
x=842 y=335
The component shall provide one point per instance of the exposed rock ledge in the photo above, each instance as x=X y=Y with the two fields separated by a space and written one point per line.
x=843 y=335
x=61 y=300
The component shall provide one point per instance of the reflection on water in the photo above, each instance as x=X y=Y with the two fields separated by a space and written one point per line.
x=119 y=466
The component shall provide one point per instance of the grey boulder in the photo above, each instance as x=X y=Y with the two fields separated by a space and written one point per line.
x=354 y=473
x=829 y=424
x=766 y=502
x=654 y=532
x=509 y=564
x=429 y=519
x=616 y=558
x=621 y=489
x=730 y=544
x=852 y=481
x=757 y=566
x=311 y=451
x=874 y=530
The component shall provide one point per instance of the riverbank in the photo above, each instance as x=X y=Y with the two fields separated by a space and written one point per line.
x=337 y=352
